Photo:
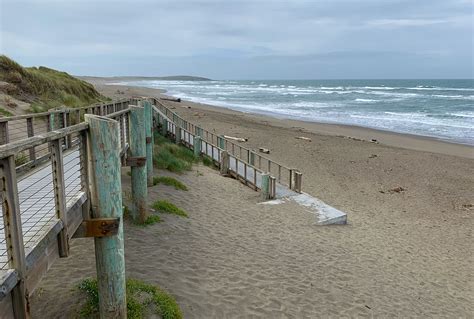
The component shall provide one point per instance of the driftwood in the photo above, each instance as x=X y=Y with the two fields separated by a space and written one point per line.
x=264 y=150
x=303 y=138
x=238 y=139
x=171 y=99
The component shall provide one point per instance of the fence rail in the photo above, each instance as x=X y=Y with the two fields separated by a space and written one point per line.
x=284 y=175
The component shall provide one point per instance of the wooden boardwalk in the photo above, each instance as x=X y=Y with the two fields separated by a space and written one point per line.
x=37 y=205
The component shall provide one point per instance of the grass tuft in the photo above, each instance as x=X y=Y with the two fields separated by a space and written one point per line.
x=151 y=219
x=142 y=298
x=170 y=181
x=164 y=206
x=207 y=161
x=172 y=157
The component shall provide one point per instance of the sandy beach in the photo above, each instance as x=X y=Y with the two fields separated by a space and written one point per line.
x=403 y=254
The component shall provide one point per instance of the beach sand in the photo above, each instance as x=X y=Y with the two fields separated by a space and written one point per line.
x=403 y=254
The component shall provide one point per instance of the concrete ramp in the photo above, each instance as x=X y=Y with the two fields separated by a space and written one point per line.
x=325 y=214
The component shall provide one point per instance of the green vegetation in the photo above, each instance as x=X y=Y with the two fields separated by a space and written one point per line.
x=152 y=219
x=45 y=88
x=164 y=206
x=175 y=158
x=207 y=161
x=142 y=299
x=5 y=112
x=20 y=159
x=170 y=181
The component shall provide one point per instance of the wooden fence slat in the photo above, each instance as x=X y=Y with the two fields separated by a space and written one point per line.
x=14 y=235
x=60 y=195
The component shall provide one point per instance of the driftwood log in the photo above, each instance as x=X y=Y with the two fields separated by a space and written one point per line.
x=171 y=99
x=238 y=139
x=303 y=138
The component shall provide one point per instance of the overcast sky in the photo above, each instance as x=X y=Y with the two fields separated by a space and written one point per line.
x=243 y=39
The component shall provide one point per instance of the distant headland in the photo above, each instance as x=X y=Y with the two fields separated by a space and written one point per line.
x=146 y=78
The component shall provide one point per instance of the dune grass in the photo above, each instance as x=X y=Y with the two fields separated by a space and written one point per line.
x=151 y=219
x=46 y=88
x=169 y=181
x=172 y=157
x=165 y=206
x=142 y=299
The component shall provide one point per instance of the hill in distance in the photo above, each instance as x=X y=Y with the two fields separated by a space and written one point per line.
x=142 y=78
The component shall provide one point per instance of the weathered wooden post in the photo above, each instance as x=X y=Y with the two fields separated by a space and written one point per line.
x=30 y=132
x=225 y=163
x=67 y=122
x=221 y=142
x=13 y=235
x=137 y=161
x=252 y=158
x=164 y=127
x=298 y=180
x=149 y=141
x=106 y=199
x=51 y=122
x=197 y=146
x=177 y=135
x=272 y=187
x=4 y=138
x=265 y=189
x=198 y=131
x=60 y=195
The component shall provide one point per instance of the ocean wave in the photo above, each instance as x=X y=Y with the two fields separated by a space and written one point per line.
x=366 y=100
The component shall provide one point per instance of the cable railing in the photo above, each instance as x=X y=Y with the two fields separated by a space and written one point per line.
x=20 y=127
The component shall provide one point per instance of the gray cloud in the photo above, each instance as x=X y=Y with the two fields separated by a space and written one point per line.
x=243 y=39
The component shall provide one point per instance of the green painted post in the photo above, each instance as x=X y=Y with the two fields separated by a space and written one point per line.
x=149 y=142
x=221 y=142
x=51 y=122
x=252 y=158
x=198 y=131
x=197 y=145
x=177 y=136
x=164 y=127
x=139 y=173
x=106 y=199
x=265 y=186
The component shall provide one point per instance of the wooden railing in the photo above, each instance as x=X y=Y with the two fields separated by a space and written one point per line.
x=290 y=177
x=44 y=207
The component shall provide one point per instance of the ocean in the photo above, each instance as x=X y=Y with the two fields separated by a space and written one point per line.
x=442 y=109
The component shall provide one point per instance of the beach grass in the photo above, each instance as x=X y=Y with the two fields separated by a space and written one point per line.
x=172 y=157
x=46 y=88
x=165 y=206
x=142 y=299
x=169 y=181
x=151 y=219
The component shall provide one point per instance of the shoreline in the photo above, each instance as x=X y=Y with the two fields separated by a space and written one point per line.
x=337 y=125
x=388 y=138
